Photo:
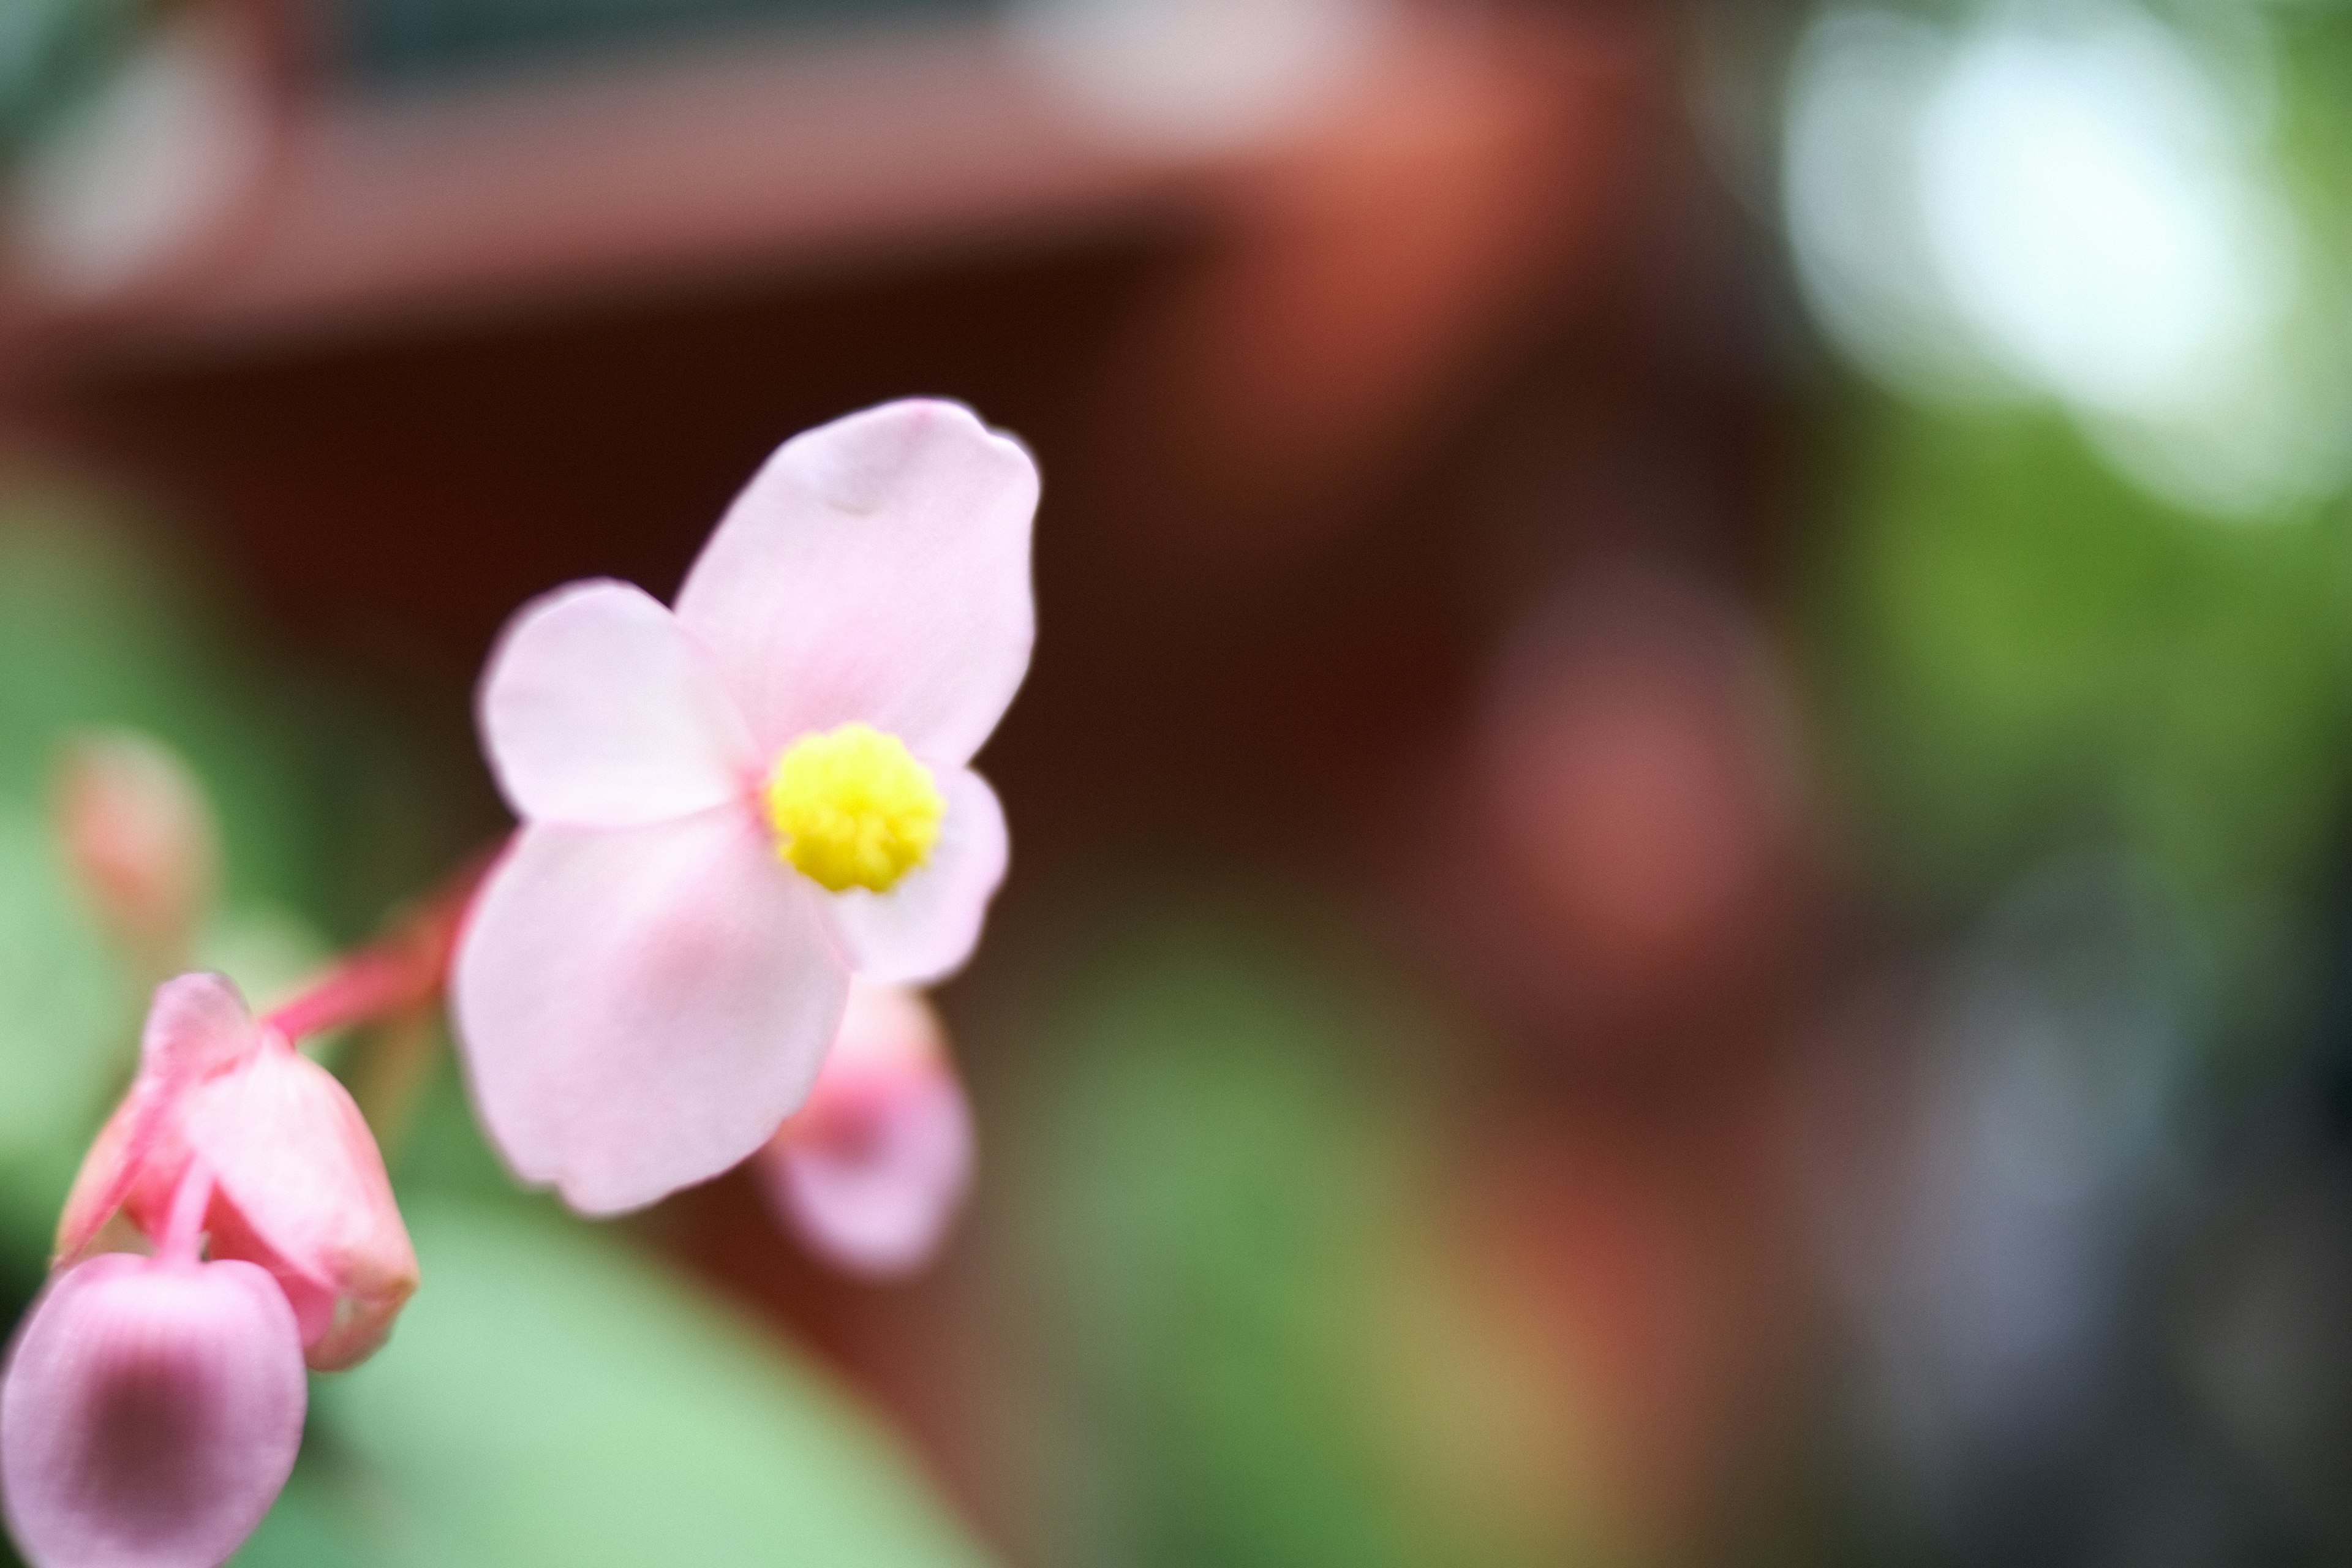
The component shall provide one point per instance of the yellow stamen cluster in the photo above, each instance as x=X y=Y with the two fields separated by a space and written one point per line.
x=852 y=809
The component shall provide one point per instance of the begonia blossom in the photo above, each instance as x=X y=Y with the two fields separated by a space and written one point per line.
x=730 y=808
x=151 y=1413
x=871 y=1170
x=298 y=1187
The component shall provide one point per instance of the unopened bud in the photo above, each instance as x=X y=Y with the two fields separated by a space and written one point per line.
x=299 y=1185
x=872 y=1169
x=151 y=1413
x=302 y=1191
x=139 y=838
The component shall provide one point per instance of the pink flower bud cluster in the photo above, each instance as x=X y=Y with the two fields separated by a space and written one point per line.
x=749 y=822
x=152 y=1404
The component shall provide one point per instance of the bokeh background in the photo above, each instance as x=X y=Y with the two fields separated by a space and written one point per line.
x=1682 y=889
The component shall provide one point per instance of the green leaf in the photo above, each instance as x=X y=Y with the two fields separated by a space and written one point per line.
x=100 y=627
x=2027 y=650
x=1224 y=1164
x=66 y=1029
x=550 y=1398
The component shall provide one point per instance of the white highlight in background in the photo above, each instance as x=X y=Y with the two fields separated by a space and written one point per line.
x=2068 y=206
x=1199 y=76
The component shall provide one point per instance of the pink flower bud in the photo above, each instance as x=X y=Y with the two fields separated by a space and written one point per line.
x=150 y=1414
x=140 y=839
x=301 y=1191
x=874 y=1167
x=197 y=1029
x=298 y=1187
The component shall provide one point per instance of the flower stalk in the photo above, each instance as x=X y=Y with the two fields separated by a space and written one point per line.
x=398 y=976
x=183 y=1232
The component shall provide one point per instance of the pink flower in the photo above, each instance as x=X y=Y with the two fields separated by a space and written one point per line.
x=729 y=809
x=298 y=1185
x=151 y=1413
x=875 y=1165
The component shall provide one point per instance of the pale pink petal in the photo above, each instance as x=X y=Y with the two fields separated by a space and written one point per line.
x=197 y=1026
x=301 y=1191
x=640 y=1007
x=874 y=1167
x=927 y=926
x=151 y=1414
x=106 y=1174
x=597 y=708
x=876 y=569
x=884 y=1025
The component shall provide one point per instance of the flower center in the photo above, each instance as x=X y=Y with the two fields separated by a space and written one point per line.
x=852 y=809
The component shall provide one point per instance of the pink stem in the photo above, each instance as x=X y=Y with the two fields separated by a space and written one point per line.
x=401 y=974
x=184 y=1231
x=361 y=987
